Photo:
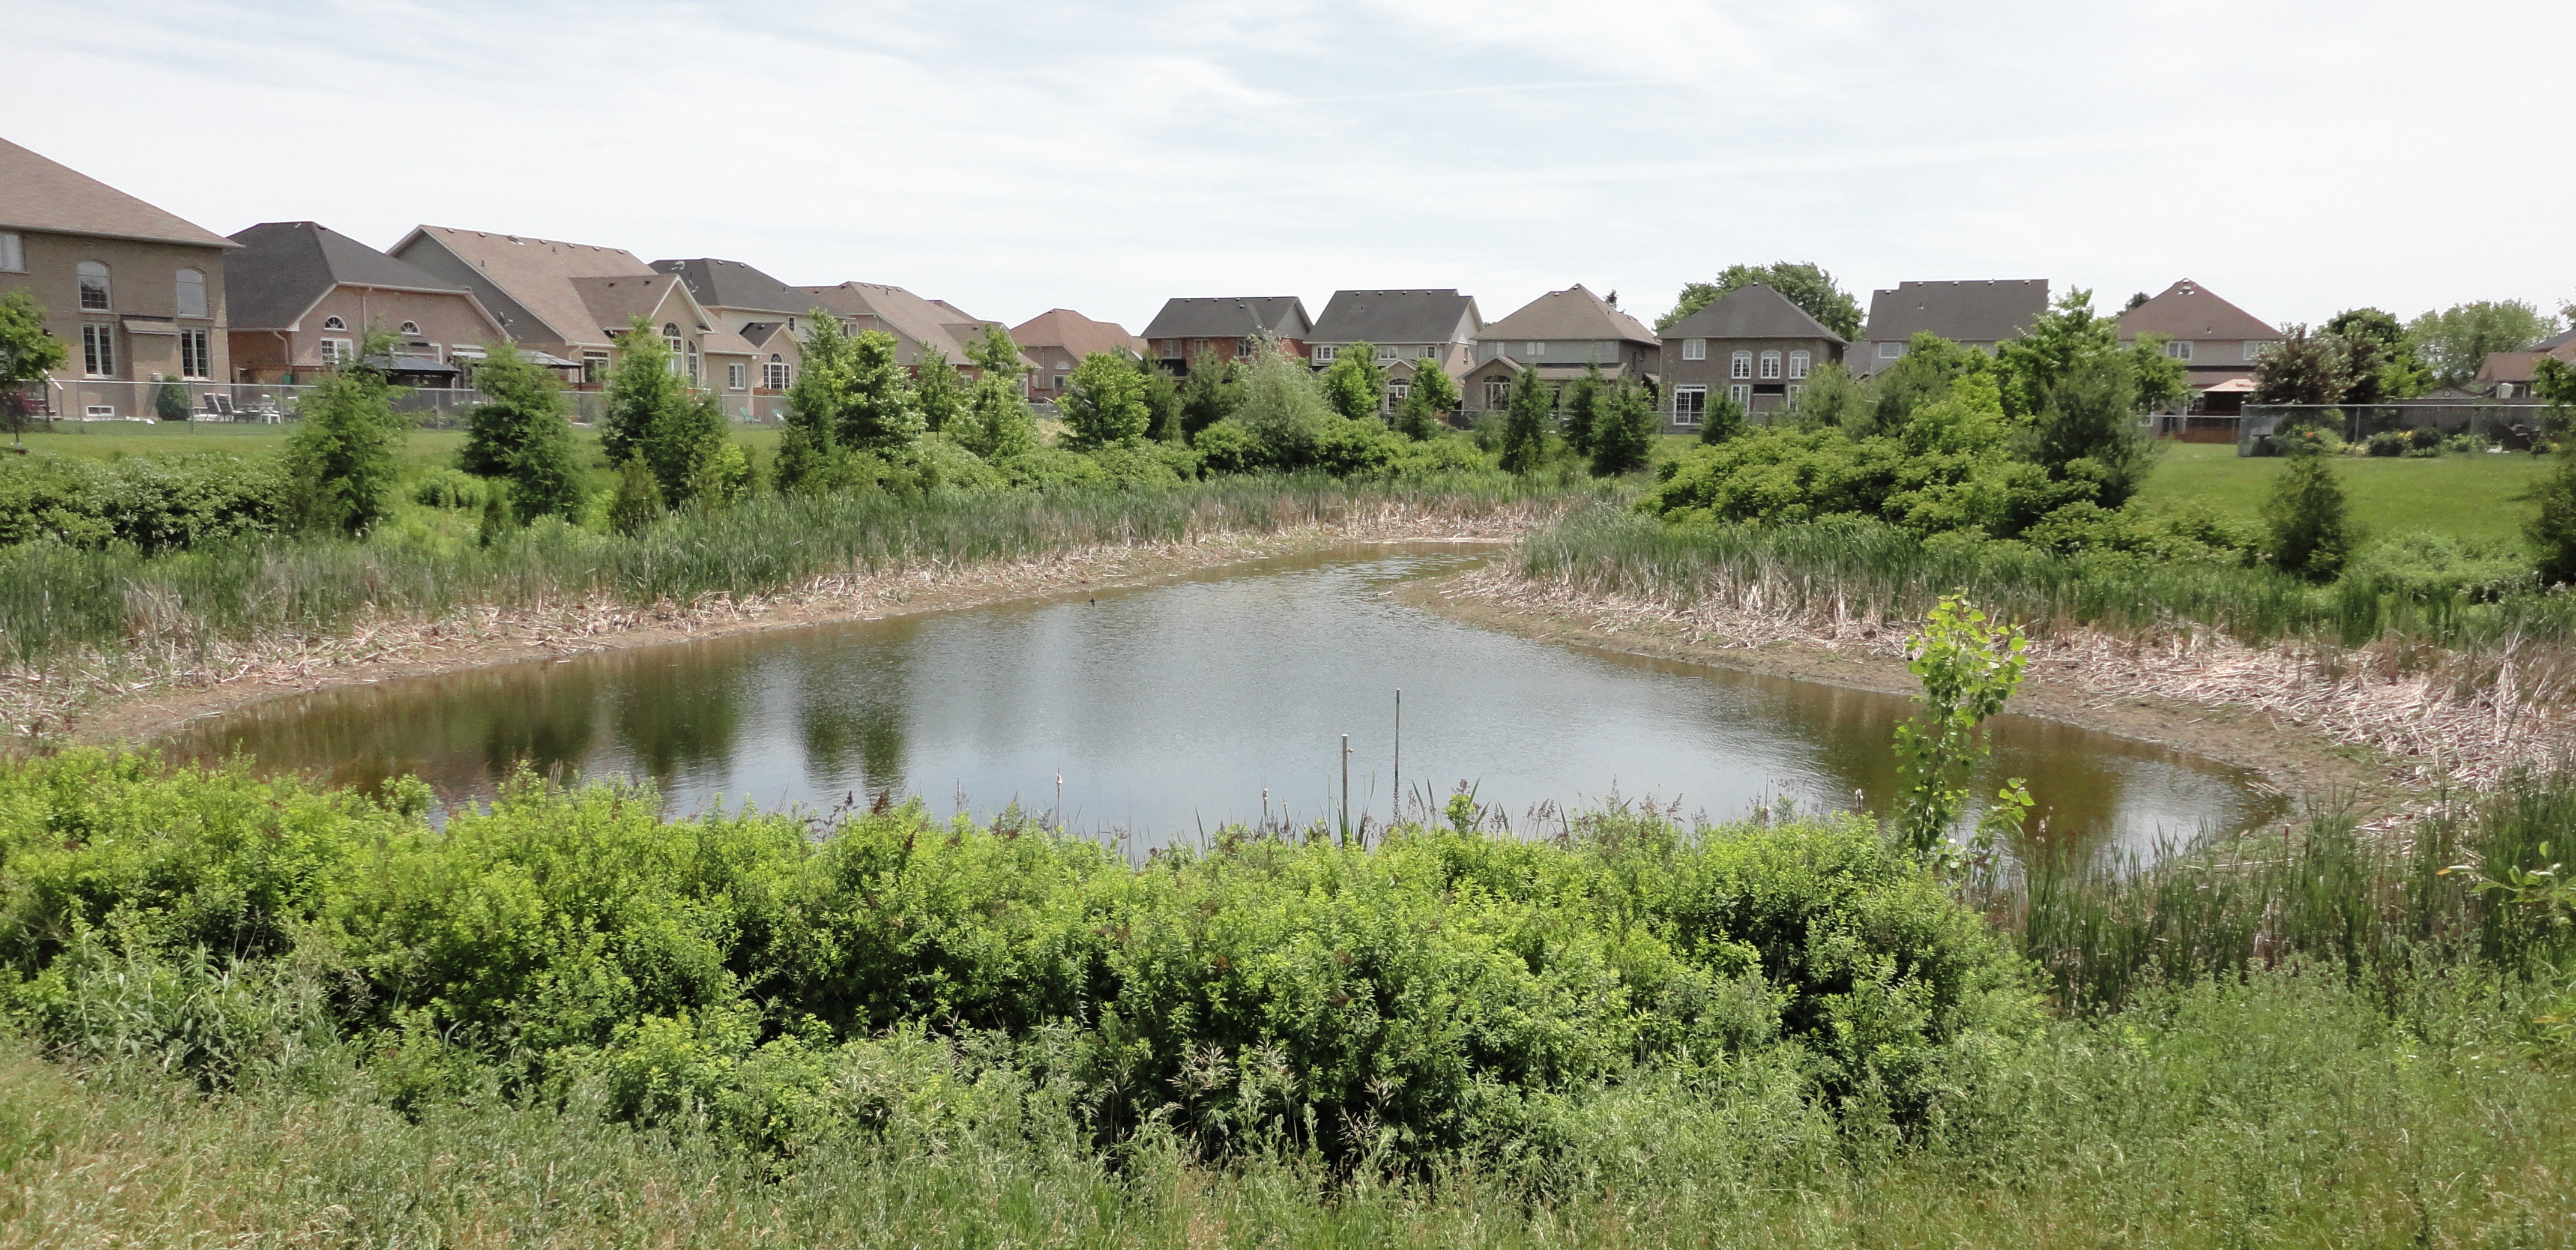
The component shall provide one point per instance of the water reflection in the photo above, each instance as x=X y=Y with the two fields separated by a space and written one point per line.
x=1177 y=707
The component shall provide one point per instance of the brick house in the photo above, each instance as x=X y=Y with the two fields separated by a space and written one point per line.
x=918 y=325
x=1753 y=345
x=1226 y=325
x=1056 y=340
x=2216 y=342
x=1404 y=327
x=134 y=292
x=1976 y=314
x=765 y=313
x=1558 y=335
x=304 y=296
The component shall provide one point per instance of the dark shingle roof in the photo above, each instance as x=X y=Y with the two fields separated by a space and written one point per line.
x=40 y=194
x=1396 y=317
x=284 y=266
x=1751 y=312
x=1230 y=316
x=733 y=284
x=1573 y=313
x=2187 y=310
x=1964 y=312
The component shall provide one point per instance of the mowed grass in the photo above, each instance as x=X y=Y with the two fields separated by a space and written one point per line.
x=2475 y=498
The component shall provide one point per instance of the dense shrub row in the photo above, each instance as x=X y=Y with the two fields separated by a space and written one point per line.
x=155 y=503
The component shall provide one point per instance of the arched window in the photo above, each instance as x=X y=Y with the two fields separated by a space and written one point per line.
x=411 y=327
x=776 y=377
x=334 y=323
x=93 y=286
x=192 y=293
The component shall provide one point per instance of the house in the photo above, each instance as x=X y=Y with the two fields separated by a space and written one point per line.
x=1226 y=325
x=2216 y=342
x=1409 y=326
x=1056 y=340
x=1753 y=345
x=1979 y=314
x=918 y=325
x=1558 y=335
x=134 y=292
x=304 y=296
x=765 y=313
x=2511 y=375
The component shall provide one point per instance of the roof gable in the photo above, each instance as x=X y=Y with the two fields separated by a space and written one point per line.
x=537 y=274
x=41 y=194
x=1985 y=311
x=615 y=302
x=2187 y=310
x=1078 y=335
x=1573 y=313
x=1426 y=316
x=1751 y=312
x=1231 y=317
x=918 y=322
x=733 y=284
x=283 y=268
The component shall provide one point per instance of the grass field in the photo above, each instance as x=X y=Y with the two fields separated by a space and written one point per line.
x=132 y=438
x=2474 y=497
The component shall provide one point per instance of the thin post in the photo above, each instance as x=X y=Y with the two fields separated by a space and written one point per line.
x=1346 y=789
x=1398 y=814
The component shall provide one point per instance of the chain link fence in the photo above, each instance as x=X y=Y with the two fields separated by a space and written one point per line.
x=2508 y=423
x=94 y=401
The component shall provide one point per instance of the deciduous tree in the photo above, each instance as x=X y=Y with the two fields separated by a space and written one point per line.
x=2454 y=342
x=1802 y=283
x=1211 y=392
x=1353 y=384
x=2305 y=367
x=521 y=433
x=1105 y=405
x=1428 y=401
x=27 y=353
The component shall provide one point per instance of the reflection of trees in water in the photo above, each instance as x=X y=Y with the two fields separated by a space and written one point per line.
x=853 y=706
x=677 y=710
x=546 y=723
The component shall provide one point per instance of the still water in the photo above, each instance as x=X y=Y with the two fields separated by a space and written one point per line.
x=1174 y=708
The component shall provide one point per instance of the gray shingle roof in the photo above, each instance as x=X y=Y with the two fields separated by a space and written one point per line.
x=1751 y=312
x=284 y=266
x=1988 y=311
x=40 y=194
x=1573 y=313
x=2187 y=310
x=1230 y=317
x=733 y=284
x=1396 y=317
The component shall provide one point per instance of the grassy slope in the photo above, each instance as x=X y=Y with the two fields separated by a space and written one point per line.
x=2471 y=497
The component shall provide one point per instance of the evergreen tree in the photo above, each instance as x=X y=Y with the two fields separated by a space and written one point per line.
x=521 y=432
x=1354 y=385
x=2311 y=524
x=1585 y=399
x=1428 y=402
x=1105 y=406
x=1525 y=423
x=1211 y=392
x=1723 y=422
x=1624 y=434
x=645 y=385
x=686 y=442
x=1162 y=401
x=346 y=450
x=938 y=392
x=1831 y=399
x=638 y=501
x=2553 y=529
x=808 y=454
x=878 y=413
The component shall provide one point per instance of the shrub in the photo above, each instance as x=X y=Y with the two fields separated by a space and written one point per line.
x=2424 y=438
x=2389 y=443
x=638 y=501
x=2552 y=529
x=1135 y=466
x=1228 y=447
x=2312 y=531
x=2429 y=568
x=448 y=488
x=157 y=503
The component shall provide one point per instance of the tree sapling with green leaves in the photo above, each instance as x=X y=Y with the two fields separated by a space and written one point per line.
x=1525 y=423
x=1624 y=435
x=521 y=433
x=346 y=450
x=1105 y=404
x=27 y=353
x=1428 y=401
x=1969 y=667
x=1354 y=384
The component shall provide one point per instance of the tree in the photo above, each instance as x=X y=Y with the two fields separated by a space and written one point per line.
x=1830 y=398
x=878 y=413
x=1802 y=283
x=1428 y=402
x=1162 y=401
x=1283 y=407
x=1105 y=405
x=1925 y=374
x=1722 y=421
x=2454 y=342
x=2553 y=528
x=1525 y=423
x=27 y=353
x=520 y=432
x=2060 y=337
x=1624 y=435
x=939 y=393
x=638 y=501
x=1210 y=392
x=686 y=451
x=998 y=424
x=346 y=450
x=2303 y=368
x=1969 y=669
x=645 y=384
x=2311 y=524
x=2087 y=430
x=2380 y=359
x=1583 y=401
x=1353 y=384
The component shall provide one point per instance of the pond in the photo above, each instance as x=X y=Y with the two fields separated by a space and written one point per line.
x=1171 y=709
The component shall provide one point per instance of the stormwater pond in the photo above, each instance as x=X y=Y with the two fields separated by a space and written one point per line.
x=1165 y=711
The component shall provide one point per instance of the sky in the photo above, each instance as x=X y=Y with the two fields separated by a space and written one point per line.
x=2297 y=157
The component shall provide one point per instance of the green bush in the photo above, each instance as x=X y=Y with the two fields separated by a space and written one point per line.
x=1226 y=447
x=2389 y=443
x=154 y=502
x=2429 y=568
x=448 y=488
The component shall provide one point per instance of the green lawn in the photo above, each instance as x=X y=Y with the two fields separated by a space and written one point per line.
x=2474 y=497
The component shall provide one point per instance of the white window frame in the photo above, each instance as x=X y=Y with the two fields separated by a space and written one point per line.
x=182 y=287
x=1535 y=350
x=2254 y=349
x=1742 y=394
x=1690 y=405
x=1429 y=351
x=1799 y=364
x=1794 y=389
x=1498 y=393
x=106 y=286
x=334 y=323
x=1325 y=352
x=1694 y=349
x=737 y=376
x=594 y=366
x=410 y=328
x=1771 y=366
x=2179 y=349
x=98 y=412
x=1740 y=366
x=1396 y=391
x=1386 y=353
x=336 y=352
x=1891 y=351
x=777 y=374
x=98 y=349
x=197 y=347
x=13 y=252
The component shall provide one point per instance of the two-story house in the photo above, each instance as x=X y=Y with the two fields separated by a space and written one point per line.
x=1407 y=330
x=1753 y=346
x=1056 y=340
x=304 y=296
x=919 y=326
x=135 y=293
x=766 y=313
x=1226 y=326
x=1977 y=314
x=1559 y=336
x=2217 y=343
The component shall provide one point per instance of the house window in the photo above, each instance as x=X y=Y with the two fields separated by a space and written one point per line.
x=99 y=412
x=1386 y=353
x=196 y=355
x=1396 y=391
x=1741 y=394
x=1694 y=349
x=1498 y=393
x=13 y=253
x=693 y=364
x=410 y=327
x=1429 y=350
x=594 y=366
x=98 y=350
x=737 y=377
x=1534 y=350
x=335 y=352
x=1770 y=366
x=1794 y=388
x=1741 y=366
x=2255 y=348
x=192 y=293
x=1324 y=354
x=1890 y=351
x=777 y=371
x=1197 y=346
x=93 y=286
x=334 y=323
x=2179 y=349
x=1798 y=362
x=1690 y=404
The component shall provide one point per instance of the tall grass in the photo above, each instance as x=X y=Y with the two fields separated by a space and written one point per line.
x=55 y=598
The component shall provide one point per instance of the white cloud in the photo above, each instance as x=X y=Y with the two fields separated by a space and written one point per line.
x=2297 y=156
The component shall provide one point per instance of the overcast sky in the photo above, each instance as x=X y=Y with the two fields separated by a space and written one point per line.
x=2296 y=156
